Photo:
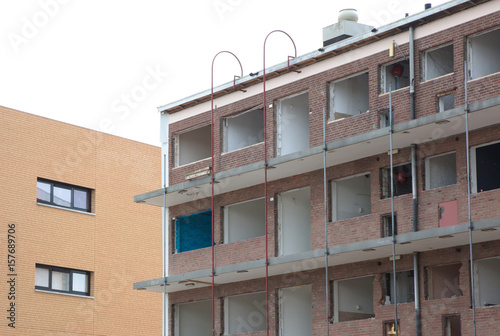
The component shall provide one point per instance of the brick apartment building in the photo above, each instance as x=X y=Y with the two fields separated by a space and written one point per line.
x=369 y=231
x=76 y=240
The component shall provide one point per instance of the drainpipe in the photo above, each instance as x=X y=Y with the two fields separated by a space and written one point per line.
x=415 y=228
x=412 y=74
x=416 y=293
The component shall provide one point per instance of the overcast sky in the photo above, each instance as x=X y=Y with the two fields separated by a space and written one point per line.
x=107 y=65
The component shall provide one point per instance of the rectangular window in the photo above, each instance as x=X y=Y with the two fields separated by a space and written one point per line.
x=483 y=54
x=446 y=101
x=384 y=118
x=443 y=281
x=451 y=325
x=294 y=221
x=63 y=195
x=387 y=225
x=293 y=124
x=487 y=275
x=349 y=97
x=401 y=180
x=395 y=75
x=245 y=313
x=193 y=232
x=295 y=311
x=485 y=160
x=243 y=129
x=244 y=220
x=351 y=197
x=62 y=280
x=440 y=171
x=193 y=318
x=438 y=62
x=405 y=287
x=390 y=328
x=193 y=145
x=353 y=299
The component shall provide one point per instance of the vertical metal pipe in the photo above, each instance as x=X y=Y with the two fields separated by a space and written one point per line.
x=469 y=215
x=395 y=285
x=327 y=281
x=412 y=73
x=414 y=185
x=416 y=293
x=165 y=247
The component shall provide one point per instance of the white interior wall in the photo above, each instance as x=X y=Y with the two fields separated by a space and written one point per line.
x=439 y=62
x=354 y=296
x=244 y=220
x=244 y=313
x=244 y=130
x=351 y=197
x=350 y=96
x=194 y=145
x=296 y=311
x=194 y=318
x=441 y=171
x=446 y=102
x=484 y=54
x=293 y=124
x=488 y=279
x=294 y=217
x=395 y=83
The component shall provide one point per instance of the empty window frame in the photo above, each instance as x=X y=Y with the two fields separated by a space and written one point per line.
x=390 y=328
x=485 y=162
x=243 y=130
x=193 y=145
x=384 y=120
x=193 y=232
x=293 y=124
x=451 y=325
x=63 y=195
x=193 y=318
x=487 y=276
x=349 y=96
x=386 y=225
x=443 y=281
x=402 y=180
x=353 y=299
x=62 y=280
x=295 y=311
x=483 y=54
x=394 y=76
x=351 y=197
x=244 y=220
x=438 y=62
x=294 y=221
x=446 y=101
x=245 y=313
x=405 y=287
x=440 y=170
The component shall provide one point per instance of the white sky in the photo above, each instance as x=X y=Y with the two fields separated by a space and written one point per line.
x=107 y=65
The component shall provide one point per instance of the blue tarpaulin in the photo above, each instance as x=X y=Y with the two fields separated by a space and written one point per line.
x=194 y=231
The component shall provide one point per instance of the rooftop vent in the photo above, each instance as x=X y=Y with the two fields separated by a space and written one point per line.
x=347 y=26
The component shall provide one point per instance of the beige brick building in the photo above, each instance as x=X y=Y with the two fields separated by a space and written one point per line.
x=77 y=239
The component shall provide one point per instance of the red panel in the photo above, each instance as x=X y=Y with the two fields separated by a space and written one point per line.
x=448 y=213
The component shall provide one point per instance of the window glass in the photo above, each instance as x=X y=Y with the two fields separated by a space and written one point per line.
x=60 y=281
x=42 y=277
x=441 y=171
x=62 y=196
x=80 y=199
x=43 y=191
x=80 y=282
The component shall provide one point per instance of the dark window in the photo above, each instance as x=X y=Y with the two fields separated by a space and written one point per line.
x=487 y=167
x=62 y=280
x=193 y=232
x=387 y=225
x=443 y=281
x=451 y=325
x=402 y=180
x=63 y=195
x=405 y=287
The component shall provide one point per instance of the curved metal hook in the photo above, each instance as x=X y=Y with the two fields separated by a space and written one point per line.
x=289 y=57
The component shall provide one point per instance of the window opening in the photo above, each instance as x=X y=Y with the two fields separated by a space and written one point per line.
x=443 y=281
x=405 y=285
x=446 y=101
x=387 y=225
x=487 y=273
x=243 y=129
x=441 y=171
x=193 y=318
x=396 y=75
x=193 y=145
x=349 y=97
x=294 y=221
x=485 y=161
x=451 y=325
x=293 y=124
x=245 y=313
x=244 y=220
x=402 y=180
x=483 y=54
x=353 y=299
x=193 y=232
x=351 y=197
x=438 y=62
x=295 y=311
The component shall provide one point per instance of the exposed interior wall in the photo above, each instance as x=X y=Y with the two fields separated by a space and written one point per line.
x=485 y=163
x=351 y=197
x=446 y=102
x=484 y=51
x=440 y=171
x=296 y=311
x=488 y=280
x=353 y=299
x=349 y=96
x=194 y=318
x=395 y=83
x=443 y=281
x=293 y=124
x=451 y=325
x=438 y=62
x=194 y=145
x=244 y=220
x=294 y=220
x=193 y=232
x=245 y=313
x=243 y=130
x=405 y=287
